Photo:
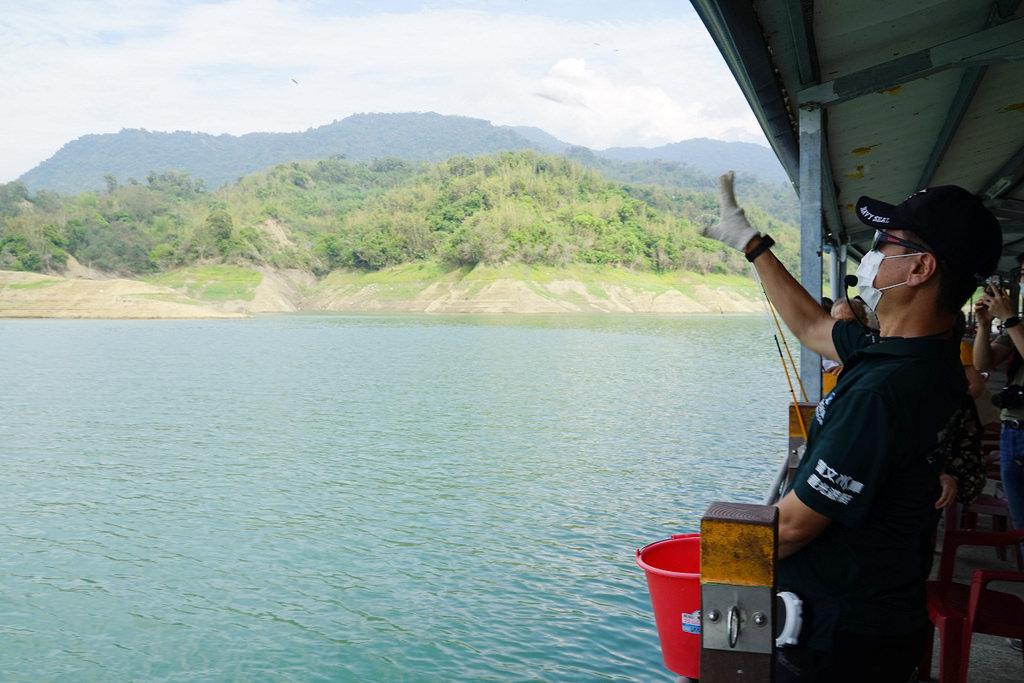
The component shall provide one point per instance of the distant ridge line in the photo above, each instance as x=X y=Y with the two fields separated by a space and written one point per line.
x=85 y=164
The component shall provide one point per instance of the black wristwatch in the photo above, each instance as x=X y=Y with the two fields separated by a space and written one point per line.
x=766 y=243
x=1012 y=321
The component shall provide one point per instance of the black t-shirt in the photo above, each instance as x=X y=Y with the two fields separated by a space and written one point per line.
x=871 y=466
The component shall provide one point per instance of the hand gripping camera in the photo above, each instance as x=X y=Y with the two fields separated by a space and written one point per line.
x=994 y=282
x=1011 y=396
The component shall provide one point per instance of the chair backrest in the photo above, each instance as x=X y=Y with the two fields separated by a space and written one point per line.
x=952 y=541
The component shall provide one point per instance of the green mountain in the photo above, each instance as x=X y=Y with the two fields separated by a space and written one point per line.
x=330 y=214
x=82 y=165
x=92 y=161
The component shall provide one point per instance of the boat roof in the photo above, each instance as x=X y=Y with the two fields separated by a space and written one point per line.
x=915 y=94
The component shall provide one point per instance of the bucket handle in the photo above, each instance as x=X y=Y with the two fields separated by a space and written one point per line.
x=671 y=538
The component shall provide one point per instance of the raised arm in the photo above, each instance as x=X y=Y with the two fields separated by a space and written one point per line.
x=986 y=354
x=801 y=312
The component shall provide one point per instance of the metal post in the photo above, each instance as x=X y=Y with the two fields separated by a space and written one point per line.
x=838 y=273
x=811 y=160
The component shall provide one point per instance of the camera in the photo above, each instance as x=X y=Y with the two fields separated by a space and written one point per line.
x=994 y=282
x=1011 y=396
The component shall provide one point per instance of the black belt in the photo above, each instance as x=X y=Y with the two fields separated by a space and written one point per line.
x=1013 y=423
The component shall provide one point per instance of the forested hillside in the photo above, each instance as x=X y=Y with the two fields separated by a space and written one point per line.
x=509 y=207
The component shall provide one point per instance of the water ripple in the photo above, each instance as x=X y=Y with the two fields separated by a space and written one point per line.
x=346 y=498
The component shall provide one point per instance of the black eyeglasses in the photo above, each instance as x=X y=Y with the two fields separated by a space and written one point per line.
x=882 y=237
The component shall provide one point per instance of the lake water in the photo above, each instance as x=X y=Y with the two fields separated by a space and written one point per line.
x=364 y=498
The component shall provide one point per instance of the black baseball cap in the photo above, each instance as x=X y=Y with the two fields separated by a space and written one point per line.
x=952 y=221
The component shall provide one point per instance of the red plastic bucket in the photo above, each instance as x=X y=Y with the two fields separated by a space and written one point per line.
x=673 y=580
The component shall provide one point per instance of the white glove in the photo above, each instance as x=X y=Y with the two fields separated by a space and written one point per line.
x=733 y=228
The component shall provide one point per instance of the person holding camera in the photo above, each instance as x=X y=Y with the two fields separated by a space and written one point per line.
x=1007 y=346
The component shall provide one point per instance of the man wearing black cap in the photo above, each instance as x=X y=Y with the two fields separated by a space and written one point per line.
x=855 y=526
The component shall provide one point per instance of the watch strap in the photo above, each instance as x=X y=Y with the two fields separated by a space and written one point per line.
x=766 y=243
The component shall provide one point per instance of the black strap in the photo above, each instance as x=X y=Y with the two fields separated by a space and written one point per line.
x=1013 y=365
x=766 y=243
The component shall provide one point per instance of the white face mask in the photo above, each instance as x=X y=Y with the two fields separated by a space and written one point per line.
x=866 y=272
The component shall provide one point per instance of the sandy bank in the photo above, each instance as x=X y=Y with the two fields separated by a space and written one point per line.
x=85 y=295
x=29 y=295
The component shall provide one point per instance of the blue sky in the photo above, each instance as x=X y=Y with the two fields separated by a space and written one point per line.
x=595 y=73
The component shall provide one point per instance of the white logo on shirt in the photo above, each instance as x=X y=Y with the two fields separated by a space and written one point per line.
x=832 y=484
x=822 y=407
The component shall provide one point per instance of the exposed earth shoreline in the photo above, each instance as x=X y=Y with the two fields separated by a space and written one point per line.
x=80 y=293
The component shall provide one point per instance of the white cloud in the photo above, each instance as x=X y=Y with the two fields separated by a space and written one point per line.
x=611 y=112
x=76 y=68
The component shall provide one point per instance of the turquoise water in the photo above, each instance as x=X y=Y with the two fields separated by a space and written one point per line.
x=363 y=498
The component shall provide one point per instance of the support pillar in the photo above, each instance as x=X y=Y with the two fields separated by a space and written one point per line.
x=811 y=159
x=838 y=272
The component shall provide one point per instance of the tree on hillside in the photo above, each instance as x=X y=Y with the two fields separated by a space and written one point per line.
x=13 y=199
x=176 y=184
x=220 y=228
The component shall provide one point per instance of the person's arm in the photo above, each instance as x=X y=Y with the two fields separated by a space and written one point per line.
x=982 y=348
x=801 y=312
x=975 y=381
x=987 y=355
x=798 y=524
x=797 y=308
x=999 y=304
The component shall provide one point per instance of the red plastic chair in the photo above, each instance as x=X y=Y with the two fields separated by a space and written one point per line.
x=959 y=517
x=985 y=504
x=999 y=510
x=958 y=610
x=966 y=516
x=988 y=611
